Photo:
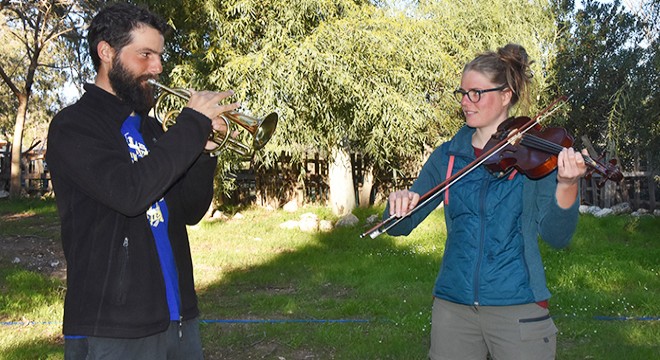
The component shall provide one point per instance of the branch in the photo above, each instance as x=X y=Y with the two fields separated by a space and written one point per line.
x=8 y=81
x=4 y=3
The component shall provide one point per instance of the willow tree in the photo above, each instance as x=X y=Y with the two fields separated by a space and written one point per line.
x=344 y=75
x=242 y=45
x=362 y=84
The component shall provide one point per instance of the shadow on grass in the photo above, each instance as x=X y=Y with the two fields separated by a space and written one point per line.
x=337 y=296
x=387 y=282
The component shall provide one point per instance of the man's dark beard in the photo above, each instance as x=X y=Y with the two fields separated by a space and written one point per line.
x=130 y=89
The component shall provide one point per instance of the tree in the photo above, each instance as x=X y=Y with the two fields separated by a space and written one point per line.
x=648 y=12
x=612 y=78
x=37 y=26
x=348 y=75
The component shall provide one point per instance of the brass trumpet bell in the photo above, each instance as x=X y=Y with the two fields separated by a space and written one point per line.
x=260 y=130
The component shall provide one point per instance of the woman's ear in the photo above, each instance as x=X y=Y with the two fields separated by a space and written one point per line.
x=506 y=94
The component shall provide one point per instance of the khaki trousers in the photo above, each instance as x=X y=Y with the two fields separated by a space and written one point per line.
x=518 y=332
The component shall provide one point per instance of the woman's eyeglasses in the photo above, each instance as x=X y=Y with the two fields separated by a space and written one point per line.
x=473 y=94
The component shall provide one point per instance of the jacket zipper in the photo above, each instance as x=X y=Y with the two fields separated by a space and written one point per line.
x=482 y=231
x=124 y=265
x=180 y=327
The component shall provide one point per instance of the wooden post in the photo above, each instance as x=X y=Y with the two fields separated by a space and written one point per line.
x=651 y=182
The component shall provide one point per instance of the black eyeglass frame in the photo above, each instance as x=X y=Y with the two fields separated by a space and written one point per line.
x=459 y=93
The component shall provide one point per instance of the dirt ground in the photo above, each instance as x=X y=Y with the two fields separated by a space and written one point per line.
x=34 y=253
x=45 y=255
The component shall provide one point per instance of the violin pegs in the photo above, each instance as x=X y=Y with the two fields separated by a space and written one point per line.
x=589 y=173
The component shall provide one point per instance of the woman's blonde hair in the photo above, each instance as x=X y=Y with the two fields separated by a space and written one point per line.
x=510 y=65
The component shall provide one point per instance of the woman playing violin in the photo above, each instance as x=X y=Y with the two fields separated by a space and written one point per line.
x=490 y=295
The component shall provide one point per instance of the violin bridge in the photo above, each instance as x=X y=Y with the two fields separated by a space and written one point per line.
x=515 y=139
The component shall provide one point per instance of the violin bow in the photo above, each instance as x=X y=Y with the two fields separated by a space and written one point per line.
x=430 y=195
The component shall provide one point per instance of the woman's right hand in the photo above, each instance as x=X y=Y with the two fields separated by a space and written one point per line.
x=402 y=201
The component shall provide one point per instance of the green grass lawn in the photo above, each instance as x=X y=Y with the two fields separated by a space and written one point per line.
x=271 y=293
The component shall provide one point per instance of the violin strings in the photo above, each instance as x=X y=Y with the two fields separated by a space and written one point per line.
x=551 y=148
x=541 y=144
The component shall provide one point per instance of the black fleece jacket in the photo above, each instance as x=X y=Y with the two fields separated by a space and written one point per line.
x=115 y=286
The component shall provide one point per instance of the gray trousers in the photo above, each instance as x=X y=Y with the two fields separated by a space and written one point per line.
x=518 y=332
x=167 y=345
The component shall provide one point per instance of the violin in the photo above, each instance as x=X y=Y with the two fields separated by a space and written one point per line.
x=534 y=153
x=520 y=143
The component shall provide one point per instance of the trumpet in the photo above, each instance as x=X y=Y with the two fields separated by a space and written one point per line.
x=261 y=130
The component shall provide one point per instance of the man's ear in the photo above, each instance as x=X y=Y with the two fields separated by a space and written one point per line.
x=106 y=52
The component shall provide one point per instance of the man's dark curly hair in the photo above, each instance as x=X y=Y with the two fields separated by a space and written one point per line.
x=114 y=24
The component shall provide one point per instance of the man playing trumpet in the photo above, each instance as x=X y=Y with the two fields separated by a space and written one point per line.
x=125 y=192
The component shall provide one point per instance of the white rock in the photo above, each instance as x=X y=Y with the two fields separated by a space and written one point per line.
x=309 y=216
x=603 y=212
x=291 y=206
x=640 y=212
x=373 y=219
x=219 y=215
x=348 y=220
x=308 y=224
x=325 y=225
x=622 y=208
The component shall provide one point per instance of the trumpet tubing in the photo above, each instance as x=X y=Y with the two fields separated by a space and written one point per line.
x=261 y=130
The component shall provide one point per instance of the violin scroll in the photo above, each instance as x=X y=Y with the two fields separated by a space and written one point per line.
x=608 y=170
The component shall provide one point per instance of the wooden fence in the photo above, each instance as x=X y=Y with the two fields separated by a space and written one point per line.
x=5 y=165
x=287 y=182
x=35 y=177
x=639 y=189
x=307 y=182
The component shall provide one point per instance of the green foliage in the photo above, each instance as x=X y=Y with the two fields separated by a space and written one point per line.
x=349 y=72
x=613 y=80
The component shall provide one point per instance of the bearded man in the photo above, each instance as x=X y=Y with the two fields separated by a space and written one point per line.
x=125 y=192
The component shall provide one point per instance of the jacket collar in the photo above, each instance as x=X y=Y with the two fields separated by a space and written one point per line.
x=461 y=145
x=107 y=103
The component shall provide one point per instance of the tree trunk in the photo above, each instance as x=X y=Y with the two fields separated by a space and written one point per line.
x=367 y=186
x=16 y=173
x=340 y=179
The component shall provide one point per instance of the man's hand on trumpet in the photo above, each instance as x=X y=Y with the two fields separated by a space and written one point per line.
x=208 y=103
